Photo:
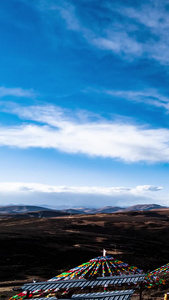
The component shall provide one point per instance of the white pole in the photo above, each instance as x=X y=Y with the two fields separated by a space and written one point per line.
x=104 y=252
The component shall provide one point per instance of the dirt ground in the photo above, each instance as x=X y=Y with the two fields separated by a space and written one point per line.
x=43 y=248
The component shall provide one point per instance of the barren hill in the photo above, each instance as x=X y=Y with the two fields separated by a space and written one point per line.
x=44 y=247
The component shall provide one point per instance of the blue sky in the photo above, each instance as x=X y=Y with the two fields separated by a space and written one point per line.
x=84 y=102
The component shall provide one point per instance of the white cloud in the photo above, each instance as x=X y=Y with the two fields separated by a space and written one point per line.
x=21 y=187
x=16 y=92
x=128 y=142
x=145 y=188
x=41 y=194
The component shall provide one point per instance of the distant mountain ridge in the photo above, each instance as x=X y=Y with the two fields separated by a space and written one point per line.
x=40 y=211
x=28 y=211
x=102 y=210
x=113 y=209
x=139 y=207
x=14 y=209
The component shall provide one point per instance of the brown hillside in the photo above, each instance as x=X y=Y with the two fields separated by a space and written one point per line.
x=45 y=247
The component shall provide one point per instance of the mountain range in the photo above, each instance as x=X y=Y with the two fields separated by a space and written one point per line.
x=40 y=211
x=112 y=209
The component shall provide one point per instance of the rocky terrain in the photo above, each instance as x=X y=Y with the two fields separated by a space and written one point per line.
x=44 y=247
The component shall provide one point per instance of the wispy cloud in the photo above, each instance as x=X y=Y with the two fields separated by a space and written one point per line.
x=128 y=31
x=153 y=15
x=67 y=11
x=142 y=33
x=16 y=92
x=55 y=128
x=147 y=96
x=119 y=43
